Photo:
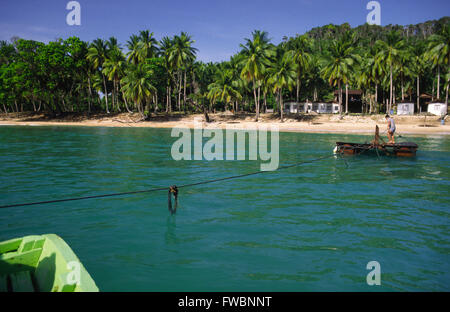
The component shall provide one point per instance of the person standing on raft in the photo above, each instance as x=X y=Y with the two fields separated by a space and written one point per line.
x=390 y=128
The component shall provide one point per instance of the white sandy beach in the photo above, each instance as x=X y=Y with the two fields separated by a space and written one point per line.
x=406 y=125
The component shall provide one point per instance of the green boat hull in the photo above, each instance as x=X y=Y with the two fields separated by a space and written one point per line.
x=42 y=263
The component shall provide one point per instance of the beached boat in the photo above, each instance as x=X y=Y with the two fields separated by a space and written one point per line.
x=403 y=149
x=42 y=263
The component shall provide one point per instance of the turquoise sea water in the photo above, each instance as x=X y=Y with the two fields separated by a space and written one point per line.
x=308 y=228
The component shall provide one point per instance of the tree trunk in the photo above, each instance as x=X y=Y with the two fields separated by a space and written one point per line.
x=259 y=100
x=265 y=102
x=106 y=94
x=281 y=105
x=205 y=111
x=184 y=92
x=340 y=97
x=346 y=98
x=391 y=87
x=259 y=95
x=403 y=96
x=167 y=99
x=298 y=89
x=113 y=95
x=438 y=94
x=446 y=92
x=126 y=104
x=138 y=107
x=393 y=96
x=117 y=95
x=90 y=95
x=64 y=103
x=170 y=99
x=375 y=102
x=432 y=93
x=418 y=95
x=180 y=78
x=256 y=100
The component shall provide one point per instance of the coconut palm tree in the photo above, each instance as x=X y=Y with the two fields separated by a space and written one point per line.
x=337 y=65
x=112 y=62
x=166 y=45
x=147 y=46
x=364 y=79
x=313 y=77
x=404 y=68
x=113 y=69
x=390 y=53
x=447 y=83
x=223 y=88
x=301 y=47
x=438 y=53
x=136 y=85
x=377 y=73
x=282 y=74
x=133 y=49
x=181 y=54
x=256 y=54
x=97 y=54
x=240 y=84
x=418 y=66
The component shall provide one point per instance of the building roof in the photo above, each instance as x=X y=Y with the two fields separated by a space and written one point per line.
x=350 y=92
x=425 y=96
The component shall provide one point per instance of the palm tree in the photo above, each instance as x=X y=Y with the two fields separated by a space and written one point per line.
x=376 y=73
x=97 y=54
x=237 y=81
x=364 y=79
x=390 y=52
x=439 y=52
x=137 y=86
x=282 y=74
x=114 y=60
x=147 y=46
x=418 y=66
x=256 y=57
x=338 y=64
x=181 y=54
x=166 y=45
x=133 y=49
x=89 y=71
x=447 y=83
x=113 y=69
x=404 y=68
x=224 y=88
x=301 y=54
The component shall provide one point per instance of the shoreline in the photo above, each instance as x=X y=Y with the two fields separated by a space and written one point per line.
x=406 y=125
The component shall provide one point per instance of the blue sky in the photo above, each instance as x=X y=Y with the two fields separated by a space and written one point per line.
x=218 y=27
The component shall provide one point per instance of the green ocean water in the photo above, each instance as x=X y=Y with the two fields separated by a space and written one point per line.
x=309 y=228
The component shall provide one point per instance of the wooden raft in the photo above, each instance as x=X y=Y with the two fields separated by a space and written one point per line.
x=404 y=149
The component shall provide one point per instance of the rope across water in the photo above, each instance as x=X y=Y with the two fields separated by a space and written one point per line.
x=171 y=188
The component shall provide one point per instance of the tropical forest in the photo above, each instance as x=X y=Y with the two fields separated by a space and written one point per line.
x=148 y=75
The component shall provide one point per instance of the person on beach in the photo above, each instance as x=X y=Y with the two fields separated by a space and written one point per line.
x=390 y=128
